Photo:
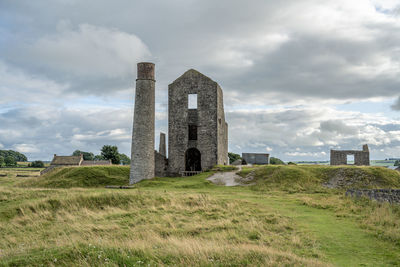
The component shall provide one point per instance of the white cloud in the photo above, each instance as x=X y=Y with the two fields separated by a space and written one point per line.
x=386 y=4
x=88 y=51
x=26 y=148
x=309 y=131
x=306 y=154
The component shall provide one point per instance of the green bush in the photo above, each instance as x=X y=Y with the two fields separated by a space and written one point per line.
x=111 y=152
x=233 y=157
x=37 y=164
x=276 y=161
x=10 y=161
x=86 y=155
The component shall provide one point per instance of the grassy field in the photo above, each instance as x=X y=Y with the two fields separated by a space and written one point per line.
x=287 y=219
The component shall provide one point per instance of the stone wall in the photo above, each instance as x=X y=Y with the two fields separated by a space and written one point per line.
x=361 y=157
x=160 y=165
x=381 y=195
x=222 y=128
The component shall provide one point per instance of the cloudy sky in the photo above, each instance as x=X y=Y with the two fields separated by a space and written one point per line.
x=299 y=77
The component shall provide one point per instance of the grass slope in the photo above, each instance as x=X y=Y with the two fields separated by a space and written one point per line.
x=299 y=178
x=191 y=222
x=67 y=177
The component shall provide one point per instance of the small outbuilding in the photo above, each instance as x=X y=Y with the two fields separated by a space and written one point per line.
x=255 y=158
x=70 y=161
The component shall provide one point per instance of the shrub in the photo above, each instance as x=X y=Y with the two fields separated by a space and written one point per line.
x=276 y=161
x=86 y=155
x=37 y=164
x=233 y=157
x=111 y=152
x=10 y=161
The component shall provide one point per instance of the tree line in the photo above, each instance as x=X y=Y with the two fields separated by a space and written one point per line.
x=107 y=152
x=10 y=158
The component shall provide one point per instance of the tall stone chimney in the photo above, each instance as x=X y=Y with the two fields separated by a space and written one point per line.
x=142 y=164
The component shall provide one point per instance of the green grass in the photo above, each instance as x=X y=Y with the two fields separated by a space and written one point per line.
x=67 y=177
x=68 y=218
x=310 y=178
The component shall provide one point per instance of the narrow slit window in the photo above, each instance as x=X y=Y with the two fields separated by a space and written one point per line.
x=192 y=101
x=192 y=132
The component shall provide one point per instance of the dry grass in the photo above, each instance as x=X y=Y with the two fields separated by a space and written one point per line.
x=184 y=222
x=164 y=228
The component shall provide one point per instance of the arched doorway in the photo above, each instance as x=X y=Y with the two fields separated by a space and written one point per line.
x=193 y=159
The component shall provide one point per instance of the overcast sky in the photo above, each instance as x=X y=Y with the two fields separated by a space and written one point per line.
x=299 y=77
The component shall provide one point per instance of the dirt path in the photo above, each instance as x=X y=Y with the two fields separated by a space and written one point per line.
x=228 y=178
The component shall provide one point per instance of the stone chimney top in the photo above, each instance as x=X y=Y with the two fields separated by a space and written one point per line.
x=145 y=71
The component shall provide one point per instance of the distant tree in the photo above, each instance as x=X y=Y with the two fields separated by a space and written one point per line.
x=291 y=163
x=16 y=155
x=37 y=164
x=125 y=160
x=98 y=157
x=10 y=161
x=233 y=157
x=1 y=161
x=111 y=152
x=86 y=155
x=397 y=163
x=276 y=161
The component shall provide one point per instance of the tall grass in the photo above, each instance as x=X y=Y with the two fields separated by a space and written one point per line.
x=137 y=227
x=68 y=218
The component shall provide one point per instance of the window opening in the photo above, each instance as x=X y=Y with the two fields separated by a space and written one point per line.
x=192 y=132
x=192 y=101
x=350 y=159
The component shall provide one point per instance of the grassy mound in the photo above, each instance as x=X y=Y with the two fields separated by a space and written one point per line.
x=316 y=178
x=95 y=176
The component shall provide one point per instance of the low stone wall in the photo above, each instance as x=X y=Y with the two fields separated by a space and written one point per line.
x=380 y=195
x=48 y=169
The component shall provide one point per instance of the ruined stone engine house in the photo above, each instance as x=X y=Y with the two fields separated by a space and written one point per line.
x=197 y=130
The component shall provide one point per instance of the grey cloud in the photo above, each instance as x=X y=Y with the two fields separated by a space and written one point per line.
x=396 y=105
x=261 y=52
x=338 y=127
x=315 y=62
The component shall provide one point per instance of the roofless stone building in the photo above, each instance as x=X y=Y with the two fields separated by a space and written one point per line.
x=359 y=157
x=197 y=130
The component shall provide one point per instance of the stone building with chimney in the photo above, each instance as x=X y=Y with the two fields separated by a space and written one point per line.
x=197 y=130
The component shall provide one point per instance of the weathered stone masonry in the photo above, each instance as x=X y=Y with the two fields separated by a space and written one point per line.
x=142 y=165
x=197 y=138
x=381 y=195
x=361 y=157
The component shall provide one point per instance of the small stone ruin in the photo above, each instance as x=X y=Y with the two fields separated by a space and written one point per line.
x=361 y=157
